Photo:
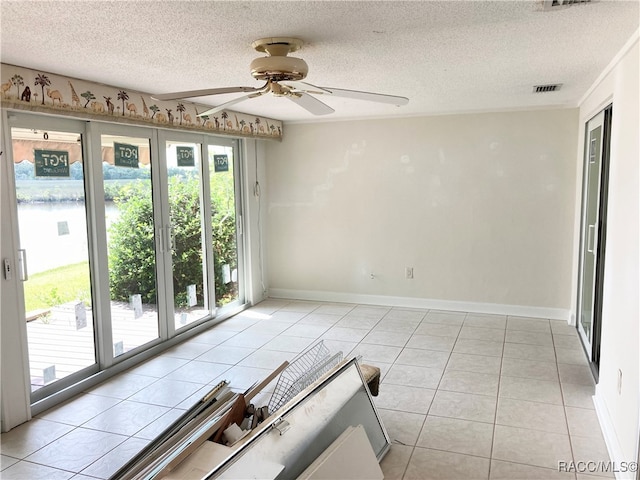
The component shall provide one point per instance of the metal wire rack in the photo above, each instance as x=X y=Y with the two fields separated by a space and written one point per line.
x=303 y=370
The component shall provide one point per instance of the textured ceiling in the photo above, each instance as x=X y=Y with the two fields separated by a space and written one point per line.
x=445 y=56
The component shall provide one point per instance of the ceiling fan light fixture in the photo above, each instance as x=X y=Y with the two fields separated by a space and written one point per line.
x=279 y=68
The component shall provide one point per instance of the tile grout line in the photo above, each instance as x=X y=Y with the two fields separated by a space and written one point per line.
x=564 y=407
x=413 y=449
x=495 y=412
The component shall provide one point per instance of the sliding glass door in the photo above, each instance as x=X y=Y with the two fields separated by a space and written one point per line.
x=186 y=231
x=593 y=234
x=49 y=174
x=131 y=218
x=202 y=226
x=224 y=221
x=128 y=236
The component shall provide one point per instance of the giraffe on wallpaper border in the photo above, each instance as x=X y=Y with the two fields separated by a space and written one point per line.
x=75 y=100
x=145 y=110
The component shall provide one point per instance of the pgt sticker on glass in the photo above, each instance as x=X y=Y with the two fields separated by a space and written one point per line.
x=136 y=304
x=186 y=156
x=51 y=163
x=192 y=300
x=49 y=374
x=81 y=316
x=126 y=155
x=221 y=163
x=63 y=228
x=118 y=348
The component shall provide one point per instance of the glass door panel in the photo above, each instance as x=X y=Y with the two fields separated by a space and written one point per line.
x=593 y=234
x=190 y=286
x=131 y=242
x=590 y=225
x=223 y=222
x=52 y=223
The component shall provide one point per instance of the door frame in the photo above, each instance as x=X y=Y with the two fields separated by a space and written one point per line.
x=106 y=365
x=40 y=122
x=239 y=199
x=592 y=347
x=99 y=239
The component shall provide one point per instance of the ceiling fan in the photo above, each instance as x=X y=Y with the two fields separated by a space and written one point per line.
x=283 y=77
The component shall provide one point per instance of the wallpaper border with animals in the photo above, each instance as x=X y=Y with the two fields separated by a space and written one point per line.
x=27 y=89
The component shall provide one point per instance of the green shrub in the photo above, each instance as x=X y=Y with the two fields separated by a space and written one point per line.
x=131 y=252
x=131 y=245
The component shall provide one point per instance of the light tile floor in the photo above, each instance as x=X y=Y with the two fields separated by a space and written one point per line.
x=463 y=396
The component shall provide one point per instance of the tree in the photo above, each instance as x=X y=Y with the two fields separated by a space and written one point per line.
x=154 y=109
x=88 y=96
x=43 y=81
x=224 y=116
x=186 y=250
x=17 y=81
x=242 y=124
x=181 y=109
x=132 y=243
x=122 y=95
x=132 y=248
x=258 y=122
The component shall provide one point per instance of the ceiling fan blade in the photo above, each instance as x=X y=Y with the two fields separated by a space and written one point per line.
x=358 y=95
x=202 y=93
x=311 y=104
x=226 y=105
x=298 y=86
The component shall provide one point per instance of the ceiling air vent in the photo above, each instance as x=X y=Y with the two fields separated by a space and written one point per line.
x=557 y=4
x=553 y=87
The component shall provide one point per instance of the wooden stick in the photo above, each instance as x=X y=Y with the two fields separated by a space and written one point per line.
x=258 y=388
x=235 y=415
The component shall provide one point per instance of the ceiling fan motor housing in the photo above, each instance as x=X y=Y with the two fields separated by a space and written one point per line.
x=279 y=68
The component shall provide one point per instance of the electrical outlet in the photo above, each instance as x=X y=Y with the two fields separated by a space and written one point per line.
x=408 y=273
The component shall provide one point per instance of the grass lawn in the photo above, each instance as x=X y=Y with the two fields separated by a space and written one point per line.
x=57 y=286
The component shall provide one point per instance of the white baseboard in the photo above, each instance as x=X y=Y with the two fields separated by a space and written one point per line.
x=427 y=303
x=610 y=437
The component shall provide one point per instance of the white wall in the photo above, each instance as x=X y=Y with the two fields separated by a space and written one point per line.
x=255 y=207
x=618 y=411
x=480 y=205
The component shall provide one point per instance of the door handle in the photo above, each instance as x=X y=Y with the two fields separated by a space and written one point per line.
x=171 y=239
x=166 y=239
x=160 y=235
x=22 y=263
x=591 y=237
